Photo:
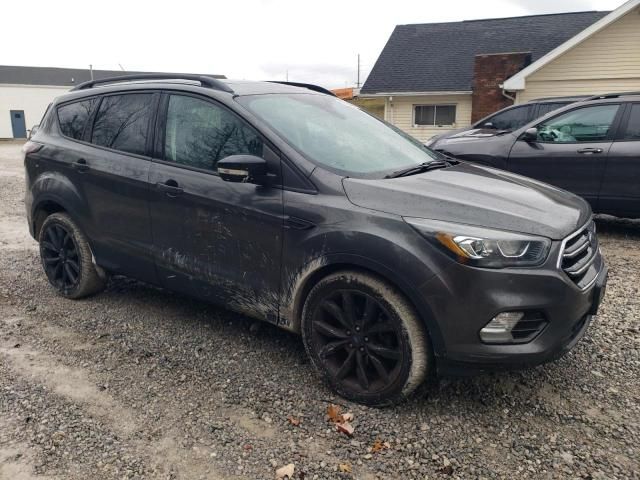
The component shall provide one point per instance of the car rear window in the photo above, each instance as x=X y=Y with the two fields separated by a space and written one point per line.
x=122 y=122
x=73 y=117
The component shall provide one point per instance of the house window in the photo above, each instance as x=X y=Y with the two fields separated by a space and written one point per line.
x=434 y=115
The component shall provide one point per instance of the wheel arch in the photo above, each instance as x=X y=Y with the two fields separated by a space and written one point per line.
x=326 y=265
x=53 y=193
x=41 y=211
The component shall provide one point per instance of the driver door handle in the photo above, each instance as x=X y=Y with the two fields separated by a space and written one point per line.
x=589 y=151
x=170 y=187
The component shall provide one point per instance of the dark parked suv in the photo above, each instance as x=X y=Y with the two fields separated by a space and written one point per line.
x=510 y=118
x=590 y=148
x=291 y=206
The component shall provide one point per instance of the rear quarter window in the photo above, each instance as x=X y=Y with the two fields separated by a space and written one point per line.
x=73 y=117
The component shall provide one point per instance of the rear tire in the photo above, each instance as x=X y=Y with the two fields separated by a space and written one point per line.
x=67 y=259
x=364 y=336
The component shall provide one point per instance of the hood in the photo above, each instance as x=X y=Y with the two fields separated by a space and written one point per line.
x=475 y=195
x=473 y=135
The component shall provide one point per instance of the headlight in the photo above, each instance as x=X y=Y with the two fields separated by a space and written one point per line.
x=483 y=247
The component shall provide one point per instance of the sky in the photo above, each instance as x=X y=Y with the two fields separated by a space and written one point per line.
x=315 y=42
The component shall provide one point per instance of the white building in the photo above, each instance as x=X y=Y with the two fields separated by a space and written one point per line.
x=25 y=93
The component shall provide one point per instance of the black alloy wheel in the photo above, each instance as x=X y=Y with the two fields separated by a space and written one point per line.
x=356 y=341
x=365 y=337
x=60 y=257
x=67 y=258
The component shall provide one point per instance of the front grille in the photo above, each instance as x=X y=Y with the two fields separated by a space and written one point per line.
x=578 y=255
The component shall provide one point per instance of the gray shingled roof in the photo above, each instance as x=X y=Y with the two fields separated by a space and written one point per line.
x=438 y=57
x=58 y=76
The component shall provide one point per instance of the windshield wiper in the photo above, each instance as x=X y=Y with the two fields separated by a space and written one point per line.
x=421 y=168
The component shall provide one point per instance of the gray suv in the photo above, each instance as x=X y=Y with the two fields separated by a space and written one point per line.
x=508 y=119
x=590 y=148
x=286 y=204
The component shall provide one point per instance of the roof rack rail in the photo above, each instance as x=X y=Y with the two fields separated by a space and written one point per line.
x=613 y=95
x=205 y=81
x=561 y=98
x=309 y=86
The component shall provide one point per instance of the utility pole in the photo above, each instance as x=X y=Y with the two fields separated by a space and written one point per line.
x=358 y=81
x=91 y=71
x=287 y=75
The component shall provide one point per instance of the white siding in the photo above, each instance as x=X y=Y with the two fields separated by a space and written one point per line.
x=399 y=112
x=609 y=61
x=32 y=99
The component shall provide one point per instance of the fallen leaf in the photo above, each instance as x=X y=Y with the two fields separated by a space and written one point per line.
x=285 y=472
x=344 y=467
x=333 y=414
x=378 y=446
x=341 y=420
x=345 y=427
x=293 y=420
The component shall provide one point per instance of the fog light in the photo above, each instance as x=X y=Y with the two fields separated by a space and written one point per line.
x=499 y=329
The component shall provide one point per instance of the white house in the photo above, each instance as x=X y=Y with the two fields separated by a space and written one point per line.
x=25 y=93
x=431 y=78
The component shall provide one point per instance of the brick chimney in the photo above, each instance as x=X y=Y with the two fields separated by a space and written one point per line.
x=489 y=72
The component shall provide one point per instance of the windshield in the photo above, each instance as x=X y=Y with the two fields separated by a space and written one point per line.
x=338 y=135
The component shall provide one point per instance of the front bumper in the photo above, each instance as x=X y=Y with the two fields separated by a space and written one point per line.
x=465 y=299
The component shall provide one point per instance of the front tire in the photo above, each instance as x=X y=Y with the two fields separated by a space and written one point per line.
x=67 y=259
x=365 y=338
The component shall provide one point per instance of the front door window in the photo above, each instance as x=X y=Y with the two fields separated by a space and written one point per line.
x=199 y=133
x=589 y=124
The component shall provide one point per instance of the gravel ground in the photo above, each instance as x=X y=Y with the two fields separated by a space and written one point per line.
x=137 y=382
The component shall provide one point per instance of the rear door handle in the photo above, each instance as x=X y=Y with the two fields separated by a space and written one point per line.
x=590 y=151
x=80 y=165
x=170 y=187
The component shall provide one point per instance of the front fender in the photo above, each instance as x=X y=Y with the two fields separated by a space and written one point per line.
x=396 y=264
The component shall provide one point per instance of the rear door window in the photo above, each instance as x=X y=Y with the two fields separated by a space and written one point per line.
x=73 y=117
x=122 y=122
x=632 y=132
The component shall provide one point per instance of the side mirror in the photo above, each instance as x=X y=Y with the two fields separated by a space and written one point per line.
x=32 y=132
x=530 y=135
x=242 y=169
x=488 y=125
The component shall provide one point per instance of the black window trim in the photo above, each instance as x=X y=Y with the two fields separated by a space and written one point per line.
x=624 y=123
x=615 y=124
x=435 y=105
